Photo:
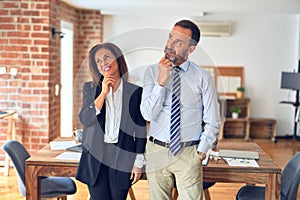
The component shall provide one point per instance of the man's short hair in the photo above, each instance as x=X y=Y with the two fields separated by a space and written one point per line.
x=193 y=27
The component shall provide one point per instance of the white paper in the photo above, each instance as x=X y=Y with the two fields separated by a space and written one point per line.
x=241 y=162
x=69 y=156
x=61 y=145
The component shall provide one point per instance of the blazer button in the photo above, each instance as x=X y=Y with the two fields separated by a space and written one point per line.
x=91 y=106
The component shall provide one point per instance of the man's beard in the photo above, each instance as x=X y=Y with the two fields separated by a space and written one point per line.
x=175 y=59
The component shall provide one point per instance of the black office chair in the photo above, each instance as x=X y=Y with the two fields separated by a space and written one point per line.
x=290 y=179
x=51 y=187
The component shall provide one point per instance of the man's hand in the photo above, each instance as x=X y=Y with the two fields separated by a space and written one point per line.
x=136 y=174
x=202 y=155
x=164 y=68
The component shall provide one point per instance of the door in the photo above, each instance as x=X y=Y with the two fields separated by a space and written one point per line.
x=66 y=69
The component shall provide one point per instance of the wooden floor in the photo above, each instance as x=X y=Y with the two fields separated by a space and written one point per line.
x=280 y=152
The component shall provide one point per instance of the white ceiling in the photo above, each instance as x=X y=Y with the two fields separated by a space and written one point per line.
x=189 y=7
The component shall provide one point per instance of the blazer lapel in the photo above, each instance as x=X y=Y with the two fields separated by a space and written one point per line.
x=125 y=108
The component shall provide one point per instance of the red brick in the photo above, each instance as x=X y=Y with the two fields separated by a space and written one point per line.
x=31 y=13
x=18 y=34
x=42 y=6
x=15 y=12
x=24 y=5
x=9 y=55
x=10 y=4
x=4 y=12
x=24 y=20
x=6 y=20
x=7 y=26
x=40 y=20
x=20 y=41
x=39 y=56
x=39 y=84
x=40 y=35
x=3 y=41
x=24 y=56
x=37 y=27
x=41 y=42
x=26 y=27
x=16 y=48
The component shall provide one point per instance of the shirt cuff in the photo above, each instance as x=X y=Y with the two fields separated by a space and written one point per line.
x=97 y=111
x=139 y=161
x=158 y=90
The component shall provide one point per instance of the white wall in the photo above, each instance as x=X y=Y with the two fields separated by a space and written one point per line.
x=264 y=44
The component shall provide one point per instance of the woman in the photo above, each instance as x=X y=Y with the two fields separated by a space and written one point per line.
x=114 y=131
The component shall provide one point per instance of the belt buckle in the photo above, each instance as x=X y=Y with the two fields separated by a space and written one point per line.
x=167 y=144
x=183 y=144
x=153 y=141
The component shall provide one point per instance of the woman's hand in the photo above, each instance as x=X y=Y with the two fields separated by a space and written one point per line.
x=136 y=174
x=107 y=83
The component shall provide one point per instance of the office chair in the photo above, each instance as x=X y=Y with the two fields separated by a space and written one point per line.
x=290 y=179
x=51 y=187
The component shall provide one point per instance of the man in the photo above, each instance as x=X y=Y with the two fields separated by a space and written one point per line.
x=178 y=96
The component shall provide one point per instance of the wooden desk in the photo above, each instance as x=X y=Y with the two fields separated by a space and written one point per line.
x=10 y=135
x=268 y=173
x=44 y=164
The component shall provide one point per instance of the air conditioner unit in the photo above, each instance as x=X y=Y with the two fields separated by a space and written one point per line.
x=216 y=29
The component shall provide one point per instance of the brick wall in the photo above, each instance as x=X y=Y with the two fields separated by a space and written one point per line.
x=89 y=34
x=26 y=43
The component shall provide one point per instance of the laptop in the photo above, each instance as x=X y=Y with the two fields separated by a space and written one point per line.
x=225 y=153
x=76 y=148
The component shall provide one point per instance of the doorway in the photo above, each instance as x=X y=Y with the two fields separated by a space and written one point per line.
x=66 y=77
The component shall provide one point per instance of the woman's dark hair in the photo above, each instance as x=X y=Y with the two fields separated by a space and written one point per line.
x=96 y=75
x=193 y=27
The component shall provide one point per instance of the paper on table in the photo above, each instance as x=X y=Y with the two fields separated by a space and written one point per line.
x=60 y=145
x=241 y=162
x=69 y=156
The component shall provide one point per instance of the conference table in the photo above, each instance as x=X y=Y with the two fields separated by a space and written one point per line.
x=43 y=163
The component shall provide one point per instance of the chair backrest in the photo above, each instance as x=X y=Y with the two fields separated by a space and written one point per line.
x=290 y=179
x=18 y=155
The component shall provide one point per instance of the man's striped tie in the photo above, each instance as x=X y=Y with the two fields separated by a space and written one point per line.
x=175 y=144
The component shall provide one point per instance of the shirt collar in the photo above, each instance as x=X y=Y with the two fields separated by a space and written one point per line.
x=184 y=66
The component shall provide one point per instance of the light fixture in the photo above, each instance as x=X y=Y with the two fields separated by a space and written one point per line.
x=55 y=32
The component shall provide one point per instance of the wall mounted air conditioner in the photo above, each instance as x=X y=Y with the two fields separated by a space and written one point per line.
x=216 y=29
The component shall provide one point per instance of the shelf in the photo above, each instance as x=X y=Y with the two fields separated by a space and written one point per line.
x=263 y=128
x=231 y=127
x=236 y=120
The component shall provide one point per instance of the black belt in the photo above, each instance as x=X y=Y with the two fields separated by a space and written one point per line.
x=167 y=144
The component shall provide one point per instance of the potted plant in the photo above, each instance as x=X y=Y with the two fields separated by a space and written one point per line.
x=240 y=92
x=235 y=111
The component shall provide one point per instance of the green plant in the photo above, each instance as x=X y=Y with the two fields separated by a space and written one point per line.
x=235 y=109
x=240 y=89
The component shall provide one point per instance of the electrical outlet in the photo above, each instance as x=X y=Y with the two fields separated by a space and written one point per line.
x=13 y=71
x=2 y=70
